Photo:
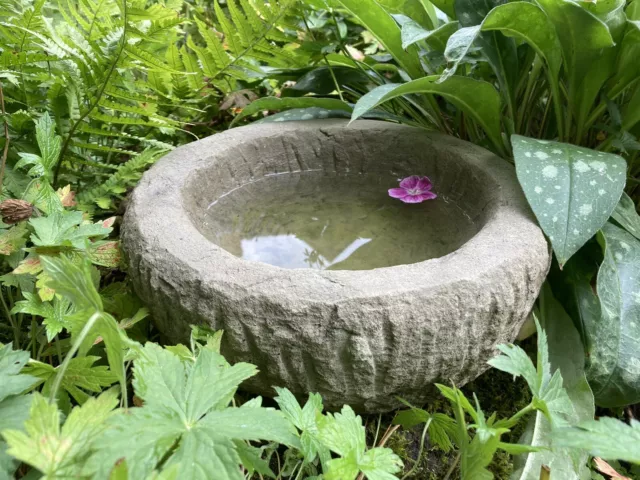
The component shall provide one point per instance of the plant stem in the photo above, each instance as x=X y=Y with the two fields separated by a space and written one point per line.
x=14 y=325
x=529 y=408
x=74 y=348
x=417 y=462
x=452 y=467
x=34 y=338
x=5 y=151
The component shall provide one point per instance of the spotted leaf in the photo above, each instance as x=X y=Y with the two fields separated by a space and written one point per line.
x=571 y=190
x=614 y=355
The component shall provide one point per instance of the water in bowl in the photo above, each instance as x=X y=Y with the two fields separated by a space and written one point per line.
x=333 y=222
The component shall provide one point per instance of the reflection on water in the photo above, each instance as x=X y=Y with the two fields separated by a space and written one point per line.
x=311 y=220
x=288 y=251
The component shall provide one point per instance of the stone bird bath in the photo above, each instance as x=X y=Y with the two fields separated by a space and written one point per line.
x=358 y=337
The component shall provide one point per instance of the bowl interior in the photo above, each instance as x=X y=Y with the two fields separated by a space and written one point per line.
x=298 y=202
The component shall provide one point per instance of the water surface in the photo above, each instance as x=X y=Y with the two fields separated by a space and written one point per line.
x=336 y=222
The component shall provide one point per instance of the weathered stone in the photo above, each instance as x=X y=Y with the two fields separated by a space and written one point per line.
x=362 y=338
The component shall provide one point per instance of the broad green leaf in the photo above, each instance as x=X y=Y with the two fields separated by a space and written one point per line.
x=478 y=99
x=627 y=216
x=274 y=103
x=458 y=45
x=304 y=114
x=627 y=69
x=499 y=50
x=529 y=23
x=413 y=9
x=436 y=39
x=375 y=19
x=607 y=438
x=614 y=358
x=572 y=190
x=565 y=353
x=59 y=452
x=446 y=6
x=583 y=37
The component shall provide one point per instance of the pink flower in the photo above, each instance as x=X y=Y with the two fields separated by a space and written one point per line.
x=413 y=189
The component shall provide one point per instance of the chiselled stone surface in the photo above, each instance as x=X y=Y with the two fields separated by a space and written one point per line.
x=362 y=338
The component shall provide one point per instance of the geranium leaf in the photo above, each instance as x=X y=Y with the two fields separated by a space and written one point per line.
x=607 y=438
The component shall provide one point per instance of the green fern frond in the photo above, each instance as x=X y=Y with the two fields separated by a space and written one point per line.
x=126 y=176
x=101 y=148
x=148 y=60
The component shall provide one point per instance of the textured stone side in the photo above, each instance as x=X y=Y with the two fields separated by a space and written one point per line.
x=360 y=338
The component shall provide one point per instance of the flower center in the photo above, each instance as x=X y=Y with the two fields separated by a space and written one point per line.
x=414 y=191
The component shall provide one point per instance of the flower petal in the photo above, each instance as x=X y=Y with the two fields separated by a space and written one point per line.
x=410 y=182
x=424 y=184
x=412 y=199
x=428 y=196
x=397 y=193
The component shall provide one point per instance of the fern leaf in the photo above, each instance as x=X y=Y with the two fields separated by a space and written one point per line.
x=134 y=96
x=190 y=63
x=70 y=13
x=110 y=134
x=148 y=60
x=227 y=28
x=149 y=110
x=243 y=27
x=214 y=47
x=102 y=117
x=10 y=59
x=101 y=148
x=126 y=175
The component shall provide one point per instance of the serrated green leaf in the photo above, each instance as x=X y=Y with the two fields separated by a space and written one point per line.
x=343 y=433
x=56 y=451
x=607 y=438
x=13 y=239
x=184 y=418
x=12 y=382
x=572 y=190
x=72 y=281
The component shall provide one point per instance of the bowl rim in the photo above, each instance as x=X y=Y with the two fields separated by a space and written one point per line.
x=163 y=228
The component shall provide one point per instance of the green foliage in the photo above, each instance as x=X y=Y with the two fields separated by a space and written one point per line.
x=97 y=91
x=572 y=190
x=60 y=451
x=607 y=438
x=618 y=326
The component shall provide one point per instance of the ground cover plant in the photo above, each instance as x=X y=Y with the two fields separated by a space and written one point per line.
x=94 y=92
